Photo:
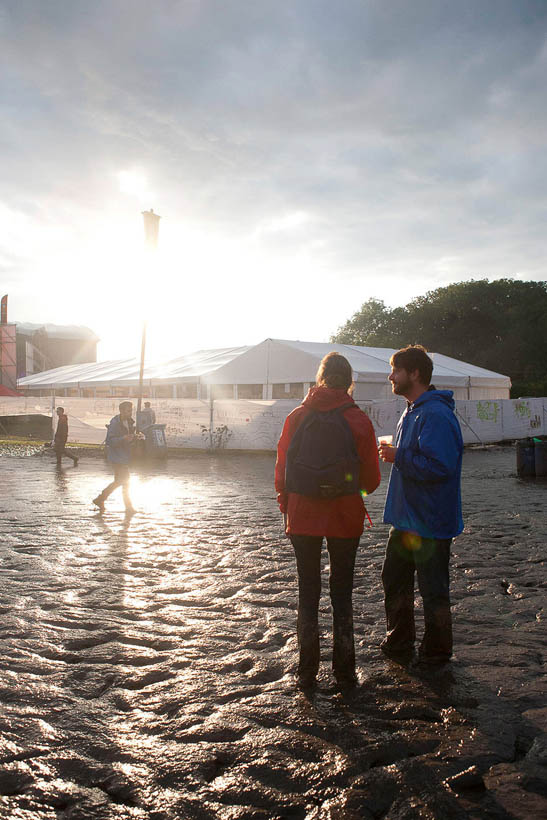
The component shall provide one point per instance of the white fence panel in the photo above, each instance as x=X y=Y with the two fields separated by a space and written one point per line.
x=480 y=420
x=523 y=417
x=187 y=421
x=384 y=415
x=20 y=406
x=256 y=425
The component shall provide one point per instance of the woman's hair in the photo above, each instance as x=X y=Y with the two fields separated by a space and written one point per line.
x=334 y=371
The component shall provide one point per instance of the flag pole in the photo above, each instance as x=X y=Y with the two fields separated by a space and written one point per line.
x=141 y=374
x=151 y=232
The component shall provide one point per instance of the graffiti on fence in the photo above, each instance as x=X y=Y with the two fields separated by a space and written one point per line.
x=522 y=410
x=488 y=410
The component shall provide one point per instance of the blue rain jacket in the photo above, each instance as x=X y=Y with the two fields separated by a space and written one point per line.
x=118 y=451
x=424 y=493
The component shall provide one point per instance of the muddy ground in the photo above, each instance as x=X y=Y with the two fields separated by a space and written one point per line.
x=147 y=663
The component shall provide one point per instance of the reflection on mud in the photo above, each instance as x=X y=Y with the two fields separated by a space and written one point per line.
x=147 y=661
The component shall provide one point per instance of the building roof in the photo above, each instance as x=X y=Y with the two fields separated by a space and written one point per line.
x=58 y=331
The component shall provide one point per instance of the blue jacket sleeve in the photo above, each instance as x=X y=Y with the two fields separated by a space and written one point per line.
x=115 y=433
x=437 y=453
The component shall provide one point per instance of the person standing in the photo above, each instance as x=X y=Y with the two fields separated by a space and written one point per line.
x=61 y=436
x=146 y=417
x=423 y=505
x=326 y=460
x=120 y=435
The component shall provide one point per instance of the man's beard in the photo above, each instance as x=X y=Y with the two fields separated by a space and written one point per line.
x=400 y=388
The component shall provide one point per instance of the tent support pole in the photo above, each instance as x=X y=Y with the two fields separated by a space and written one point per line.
x=52 y=413
x=211 y=416
x=141 y=373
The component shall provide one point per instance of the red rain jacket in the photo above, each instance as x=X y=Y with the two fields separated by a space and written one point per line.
x=341 y=517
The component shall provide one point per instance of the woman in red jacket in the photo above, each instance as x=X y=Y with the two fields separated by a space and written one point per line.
x=340 y=520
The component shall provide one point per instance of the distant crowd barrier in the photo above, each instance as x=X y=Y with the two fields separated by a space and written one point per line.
x=256 y=425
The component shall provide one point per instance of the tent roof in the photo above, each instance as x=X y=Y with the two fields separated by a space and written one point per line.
x=71 y=375
x=120 y=372
x=366 y=361
x=273 y=360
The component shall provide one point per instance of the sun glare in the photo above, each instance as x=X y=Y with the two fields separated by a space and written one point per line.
x=134 y=183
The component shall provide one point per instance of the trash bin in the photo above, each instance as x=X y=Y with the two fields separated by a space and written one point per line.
x=540 y=456
x=155 y=443
x=526 y=458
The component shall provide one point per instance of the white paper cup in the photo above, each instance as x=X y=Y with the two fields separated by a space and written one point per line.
x=385 y=440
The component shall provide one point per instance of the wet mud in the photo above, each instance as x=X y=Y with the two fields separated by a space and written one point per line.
x=147 y=662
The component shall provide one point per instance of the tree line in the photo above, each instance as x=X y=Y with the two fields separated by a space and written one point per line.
x=500 y=325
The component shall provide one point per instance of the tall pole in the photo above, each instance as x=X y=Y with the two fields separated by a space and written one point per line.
x=151 y=232
x=141 y=373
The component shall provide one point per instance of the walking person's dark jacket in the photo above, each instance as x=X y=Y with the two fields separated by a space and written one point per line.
x=61 y=432
x=118 y=450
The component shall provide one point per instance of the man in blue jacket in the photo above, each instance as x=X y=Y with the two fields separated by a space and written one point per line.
x=423 y=505
x=120 y=435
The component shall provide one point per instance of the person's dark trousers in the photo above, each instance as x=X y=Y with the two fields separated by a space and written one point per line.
x=60 y=451
x=342 y=553
x=121 y=478
x=406 y=554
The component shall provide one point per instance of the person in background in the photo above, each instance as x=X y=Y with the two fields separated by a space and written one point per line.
x=423 y=505
x=120 y=435
x=61 y=436
x=146 y=417
x=327 y=429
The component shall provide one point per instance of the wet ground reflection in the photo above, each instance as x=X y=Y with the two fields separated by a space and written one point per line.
x=147 y=660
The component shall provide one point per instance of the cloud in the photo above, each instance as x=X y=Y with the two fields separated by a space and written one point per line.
x=407 y=137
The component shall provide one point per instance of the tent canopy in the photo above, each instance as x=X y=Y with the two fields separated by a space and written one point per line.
x=273 y=361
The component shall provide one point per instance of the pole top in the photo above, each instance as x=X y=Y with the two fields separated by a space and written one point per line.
x=151 y=227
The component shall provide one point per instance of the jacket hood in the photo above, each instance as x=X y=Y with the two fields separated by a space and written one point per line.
x=444 y=396
x=326 y=398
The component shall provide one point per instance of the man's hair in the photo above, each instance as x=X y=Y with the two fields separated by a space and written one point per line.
x=62 y=409
x=126 y=404
x=147 y=404
x=334 y=371
x=414 y=357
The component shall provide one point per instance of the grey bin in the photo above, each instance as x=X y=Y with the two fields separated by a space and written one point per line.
x=540 y=457
x=526 y=458
x=155 y=445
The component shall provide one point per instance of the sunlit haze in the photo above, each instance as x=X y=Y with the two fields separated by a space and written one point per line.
x=303 y=159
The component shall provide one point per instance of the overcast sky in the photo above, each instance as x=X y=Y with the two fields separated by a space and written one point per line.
x=305 y=155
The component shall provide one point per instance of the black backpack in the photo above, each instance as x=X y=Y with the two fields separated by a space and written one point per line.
x=322 y=458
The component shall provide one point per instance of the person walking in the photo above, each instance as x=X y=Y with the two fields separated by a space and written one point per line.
x=326 y=460
x=61 y=436
x=120 y=435
x=423 y=505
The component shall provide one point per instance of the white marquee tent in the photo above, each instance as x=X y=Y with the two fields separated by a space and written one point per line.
x=273 y=369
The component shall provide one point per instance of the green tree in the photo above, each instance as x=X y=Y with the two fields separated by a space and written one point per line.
x=499 y=325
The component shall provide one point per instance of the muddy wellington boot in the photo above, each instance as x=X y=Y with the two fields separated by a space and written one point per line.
x=343 y=655
x=401 y=631
x=308 y=645
x=436 y=645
